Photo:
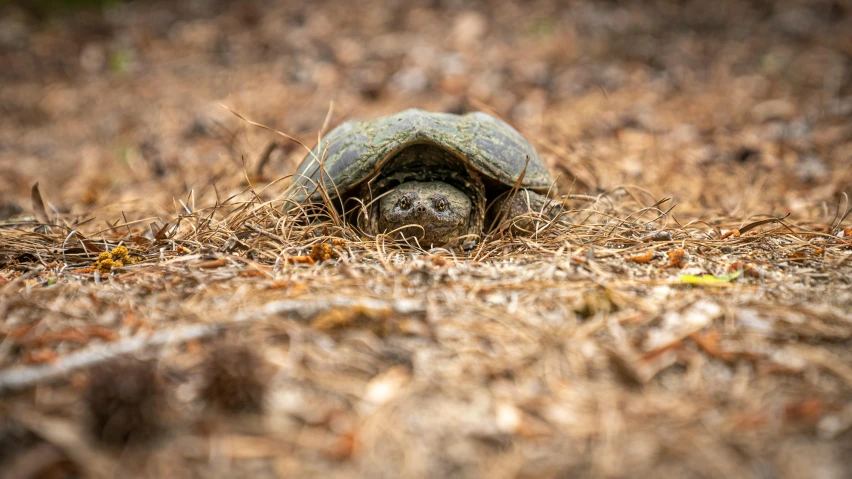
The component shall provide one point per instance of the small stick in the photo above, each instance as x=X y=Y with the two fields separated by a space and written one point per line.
x=308 y=308
x=264 y=158
x=264 y=232
x=23 y=377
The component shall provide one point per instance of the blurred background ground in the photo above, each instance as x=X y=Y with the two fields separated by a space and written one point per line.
x=736 y=110
x=122 y=103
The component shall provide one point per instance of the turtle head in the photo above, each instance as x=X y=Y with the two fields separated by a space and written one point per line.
x=431 y=211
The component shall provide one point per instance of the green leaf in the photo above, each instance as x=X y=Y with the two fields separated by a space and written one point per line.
x=119 y=61
x=709 y=278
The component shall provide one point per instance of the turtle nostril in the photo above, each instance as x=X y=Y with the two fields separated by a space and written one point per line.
x=420 y=209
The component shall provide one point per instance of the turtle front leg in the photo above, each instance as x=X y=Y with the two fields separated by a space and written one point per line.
x=523 y=208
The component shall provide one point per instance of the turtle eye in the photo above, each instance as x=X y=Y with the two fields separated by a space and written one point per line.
x=440 y=204
x=405 y=202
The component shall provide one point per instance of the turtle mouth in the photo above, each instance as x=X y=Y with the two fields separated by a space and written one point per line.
x=419 y=230
x=424 y=218
x=428 y=235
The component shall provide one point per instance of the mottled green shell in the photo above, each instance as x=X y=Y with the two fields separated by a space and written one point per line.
x=356 y=151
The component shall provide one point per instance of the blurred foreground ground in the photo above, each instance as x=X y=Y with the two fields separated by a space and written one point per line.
x=578 y=352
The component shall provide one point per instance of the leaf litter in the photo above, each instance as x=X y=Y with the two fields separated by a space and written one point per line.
x=370 y=326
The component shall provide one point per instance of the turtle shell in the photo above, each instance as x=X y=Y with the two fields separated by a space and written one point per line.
x=356 y=151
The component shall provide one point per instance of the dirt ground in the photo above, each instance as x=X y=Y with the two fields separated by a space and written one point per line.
x=162 y=316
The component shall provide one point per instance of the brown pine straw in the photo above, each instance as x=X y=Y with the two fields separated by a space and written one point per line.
x=573 y=335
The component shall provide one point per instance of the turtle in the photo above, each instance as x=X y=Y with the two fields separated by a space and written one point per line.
x=439 y=178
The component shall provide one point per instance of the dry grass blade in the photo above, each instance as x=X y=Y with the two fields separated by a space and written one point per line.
x=500 y=217
x=38 y=205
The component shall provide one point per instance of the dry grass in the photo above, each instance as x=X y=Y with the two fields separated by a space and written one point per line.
x=594 y=348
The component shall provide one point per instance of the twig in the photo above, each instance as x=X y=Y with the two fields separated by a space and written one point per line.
x=308 y=308
x=23 y=377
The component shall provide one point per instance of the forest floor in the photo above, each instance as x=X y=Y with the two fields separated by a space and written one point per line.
x=162 y=316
